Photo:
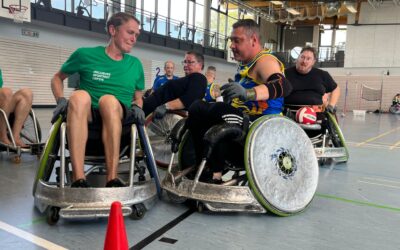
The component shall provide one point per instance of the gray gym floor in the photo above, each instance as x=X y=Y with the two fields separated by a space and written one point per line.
x=357 y=206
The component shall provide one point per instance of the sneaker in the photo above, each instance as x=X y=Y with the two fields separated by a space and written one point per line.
x=115 y=183
x=81 y=183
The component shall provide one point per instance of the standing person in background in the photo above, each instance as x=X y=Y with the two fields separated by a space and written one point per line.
x=169 y=68
x=18 y=103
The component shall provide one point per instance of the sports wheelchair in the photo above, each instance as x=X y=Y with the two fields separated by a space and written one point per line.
x=280 y=172
x=31 y=135
x=159 y=131
x=53 y=194
x=325 y=135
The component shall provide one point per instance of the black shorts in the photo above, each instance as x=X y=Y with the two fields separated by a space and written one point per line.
x=97 y=121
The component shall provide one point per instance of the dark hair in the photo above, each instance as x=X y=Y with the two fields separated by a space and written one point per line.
x=311 y=49
x=249 y=25
x=213 y=68
x=118 y=19
x=199 y=57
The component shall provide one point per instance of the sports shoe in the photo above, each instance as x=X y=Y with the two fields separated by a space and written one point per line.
x=81 y=183
x=115 y=183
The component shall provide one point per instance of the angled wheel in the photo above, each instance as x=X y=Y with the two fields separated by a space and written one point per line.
x=281 y=165
x=158 y=131
x=28 y=133
x=138 y=211
x=337 y=137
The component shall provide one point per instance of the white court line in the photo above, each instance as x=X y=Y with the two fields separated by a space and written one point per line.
x=379 y=184
x=30 y=237
x=382 y=180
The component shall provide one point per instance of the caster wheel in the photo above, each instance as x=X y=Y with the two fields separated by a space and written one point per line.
x=200 y=207
x=16 y=159
x=175 y=198
x=138 y=211
x=52 y=215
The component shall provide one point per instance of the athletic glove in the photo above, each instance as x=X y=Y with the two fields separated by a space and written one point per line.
x=61 y=109
x=160 y=112
x=136 y=115
x=331 y=109
x=235 y=90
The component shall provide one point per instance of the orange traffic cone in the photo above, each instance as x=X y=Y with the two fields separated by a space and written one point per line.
x=116 y=234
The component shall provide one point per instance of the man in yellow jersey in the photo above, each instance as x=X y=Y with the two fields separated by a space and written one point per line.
x=258 y=90
x=110 y=79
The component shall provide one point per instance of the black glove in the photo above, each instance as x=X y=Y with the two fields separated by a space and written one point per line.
x=61 y=109
x=136 y=115
x=160 y=112
x=235 y=90
x=331 y=109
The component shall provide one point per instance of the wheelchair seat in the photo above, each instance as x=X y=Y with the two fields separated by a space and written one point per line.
x=280 y=171
x=52 y=191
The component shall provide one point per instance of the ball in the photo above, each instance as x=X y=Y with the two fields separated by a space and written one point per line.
x=306 y=115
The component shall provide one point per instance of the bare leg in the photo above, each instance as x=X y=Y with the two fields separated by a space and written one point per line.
x=111 y=114
x=21 y=105
x=5 y=100
x=79 y=114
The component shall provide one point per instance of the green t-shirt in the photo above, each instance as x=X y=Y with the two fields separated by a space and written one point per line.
x=100 y=75
x=1 y=80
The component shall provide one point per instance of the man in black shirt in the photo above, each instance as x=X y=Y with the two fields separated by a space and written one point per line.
x=311 y=84
x=179 y=93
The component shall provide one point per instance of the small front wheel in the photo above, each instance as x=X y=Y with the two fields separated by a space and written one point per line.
x=138 y=211
x=53 y=215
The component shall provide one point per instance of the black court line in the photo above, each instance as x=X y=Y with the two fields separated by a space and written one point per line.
x=162 y=230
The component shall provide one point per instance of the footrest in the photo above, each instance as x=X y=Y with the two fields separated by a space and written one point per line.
x=36 y=148
x=90 y=212
x=330 y=152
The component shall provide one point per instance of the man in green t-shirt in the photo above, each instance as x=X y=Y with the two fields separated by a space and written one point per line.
x=109 y=80
x=19 y=103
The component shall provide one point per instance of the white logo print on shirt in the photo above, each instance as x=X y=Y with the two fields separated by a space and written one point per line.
x=100 y=76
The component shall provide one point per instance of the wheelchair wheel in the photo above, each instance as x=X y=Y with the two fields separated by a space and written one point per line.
x=337 y=137
x=158 y=131
x=281 y=165
x=49 y=155
x=28 y=133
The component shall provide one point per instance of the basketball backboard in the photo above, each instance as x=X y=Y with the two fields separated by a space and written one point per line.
x=18 y=10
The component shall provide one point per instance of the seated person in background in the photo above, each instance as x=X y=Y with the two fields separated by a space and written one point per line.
x=110 y=79
x=311 y=84
x=169 y=67
x=179 y=93
x=19 y=103
x=396 y=100
x=213 y=89
x=259 y=90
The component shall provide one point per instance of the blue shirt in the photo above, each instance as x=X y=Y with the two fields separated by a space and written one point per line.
x=161 y=80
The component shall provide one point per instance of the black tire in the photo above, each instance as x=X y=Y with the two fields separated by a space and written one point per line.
x=52 y=215
x=138 y=211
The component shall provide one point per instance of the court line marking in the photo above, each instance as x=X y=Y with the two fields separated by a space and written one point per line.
x=382 y=180
x=395 y=145
x=162 y=230
x=377 y=137
x=364 y=203
x=374 y=145
x=30 y=237
x=379 y=184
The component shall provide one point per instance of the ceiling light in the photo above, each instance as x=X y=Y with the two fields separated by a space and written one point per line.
x=277 y=2
x=293 y=11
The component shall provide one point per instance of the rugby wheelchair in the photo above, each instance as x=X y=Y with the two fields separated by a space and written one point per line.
x=159 y=131
x=31 y=135
x=280 y=172
x=325 y=135
x=54 y=196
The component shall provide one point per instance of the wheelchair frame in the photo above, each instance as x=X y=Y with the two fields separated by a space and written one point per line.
x=35 y=145
x=329 y=144
x=59 y=200
x=233 y=195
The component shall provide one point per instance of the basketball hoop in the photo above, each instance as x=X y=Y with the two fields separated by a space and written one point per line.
x=18 y=11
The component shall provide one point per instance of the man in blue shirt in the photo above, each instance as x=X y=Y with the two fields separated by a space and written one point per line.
x=169 y=68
